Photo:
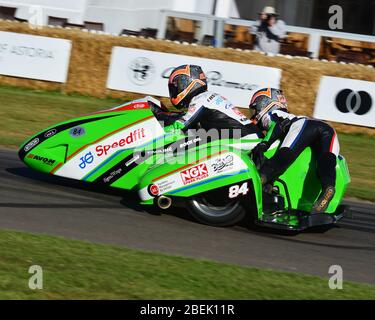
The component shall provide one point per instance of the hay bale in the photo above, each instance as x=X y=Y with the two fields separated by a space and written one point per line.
x=91 y=55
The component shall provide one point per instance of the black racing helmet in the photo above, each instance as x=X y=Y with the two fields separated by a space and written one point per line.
x=185 y=82
x=266 y=100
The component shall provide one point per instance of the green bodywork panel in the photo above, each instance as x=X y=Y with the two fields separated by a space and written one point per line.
x=304 y=185
x=50 y=149
x=198 y=155
x=62 y=144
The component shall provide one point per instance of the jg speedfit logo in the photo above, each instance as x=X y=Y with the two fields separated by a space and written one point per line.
x=349 y=101
x=86 y=159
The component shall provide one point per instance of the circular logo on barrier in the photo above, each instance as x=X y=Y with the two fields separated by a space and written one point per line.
x=141 y=71
x=349 y=101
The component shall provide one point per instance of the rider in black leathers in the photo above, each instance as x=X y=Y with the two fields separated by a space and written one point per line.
x=296 y=132
x=207 y=110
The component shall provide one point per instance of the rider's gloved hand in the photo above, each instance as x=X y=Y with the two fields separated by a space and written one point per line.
x=258 y=153
x=175 y=127
x=260 y=148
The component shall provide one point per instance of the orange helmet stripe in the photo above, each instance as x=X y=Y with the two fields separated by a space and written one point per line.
x=266 y=92
x=185 y=71
x=183 y=94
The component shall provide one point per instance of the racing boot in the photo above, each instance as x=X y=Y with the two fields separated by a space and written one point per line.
x=325 y=197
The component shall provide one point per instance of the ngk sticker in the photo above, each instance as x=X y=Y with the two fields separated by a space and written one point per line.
x=193 y=174
x=223 y=164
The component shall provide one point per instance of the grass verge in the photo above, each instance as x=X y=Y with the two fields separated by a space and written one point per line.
x=25 y=112
x=80 y=270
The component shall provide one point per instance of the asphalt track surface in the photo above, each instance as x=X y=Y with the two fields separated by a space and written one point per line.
x=40 y=203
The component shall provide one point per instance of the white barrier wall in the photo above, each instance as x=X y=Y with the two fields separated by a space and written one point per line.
x=147 y=72
x=346 y=100
x=34 y=57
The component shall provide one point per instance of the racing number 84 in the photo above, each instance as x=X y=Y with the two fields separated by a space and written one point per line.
x=236 y=190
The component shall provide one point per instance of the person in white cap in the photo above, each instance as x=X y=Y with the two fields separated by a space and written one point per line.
x=269 y=31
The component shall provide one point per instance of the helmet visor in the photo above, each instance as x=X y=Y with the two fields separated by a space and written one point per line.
x=253 y=113
x=173 y=90
x=179 y=84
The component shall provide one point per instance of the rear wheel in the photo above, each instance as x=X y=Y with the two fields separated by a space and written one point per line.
x=215 y=212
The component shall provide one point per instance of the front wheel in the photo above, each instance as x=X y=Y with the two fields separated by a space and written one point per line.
x=214 y=213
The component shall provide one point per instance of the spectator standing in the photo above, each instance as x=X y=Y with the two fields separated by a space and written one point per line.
x=269 y=30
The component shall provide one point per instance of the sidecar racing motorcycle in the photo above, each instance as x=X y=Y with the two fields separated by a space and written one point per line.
x=215 y=179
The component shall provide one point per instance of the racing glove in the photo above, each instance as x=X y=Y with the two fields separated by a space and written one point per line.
x=258 y=153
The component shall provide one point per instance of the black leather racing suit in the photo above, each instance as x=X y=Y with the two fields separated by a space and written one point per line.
x=297 y=133
x=212 y=111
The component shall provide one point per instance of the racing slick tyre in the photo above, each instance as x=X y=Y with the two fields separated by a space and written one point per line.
x=214 y=213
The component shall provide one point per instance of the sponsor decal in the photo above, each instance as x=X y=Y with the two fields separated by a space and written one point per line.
x=103 y=148
x=86 y=159
x=219 y=100
x=34 y=57
x=132 y=137
x=238 y=112
x=117 y=171
x=153 y=190
x=216 y=78
x=60 y=128
x=77 y=132
x=189 y=142
x=31 y=144
x=32 y=52
x=132 y=160
x=211 y=97
x=50 y=133
x=166 y=185
x=346 y=100
x=141 y=71
x=42 y=159
x=159 y=151
x=358 y=102
x=195 y=173
x=223 y=164
x=127 y=106
x=168 y=150
x=140 y=106
x=147 y=71
x=243 y=118
x=112 y=175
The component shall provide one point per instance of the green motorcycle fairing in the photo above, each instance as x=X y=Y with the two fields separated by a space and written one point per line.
x=126 y=147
